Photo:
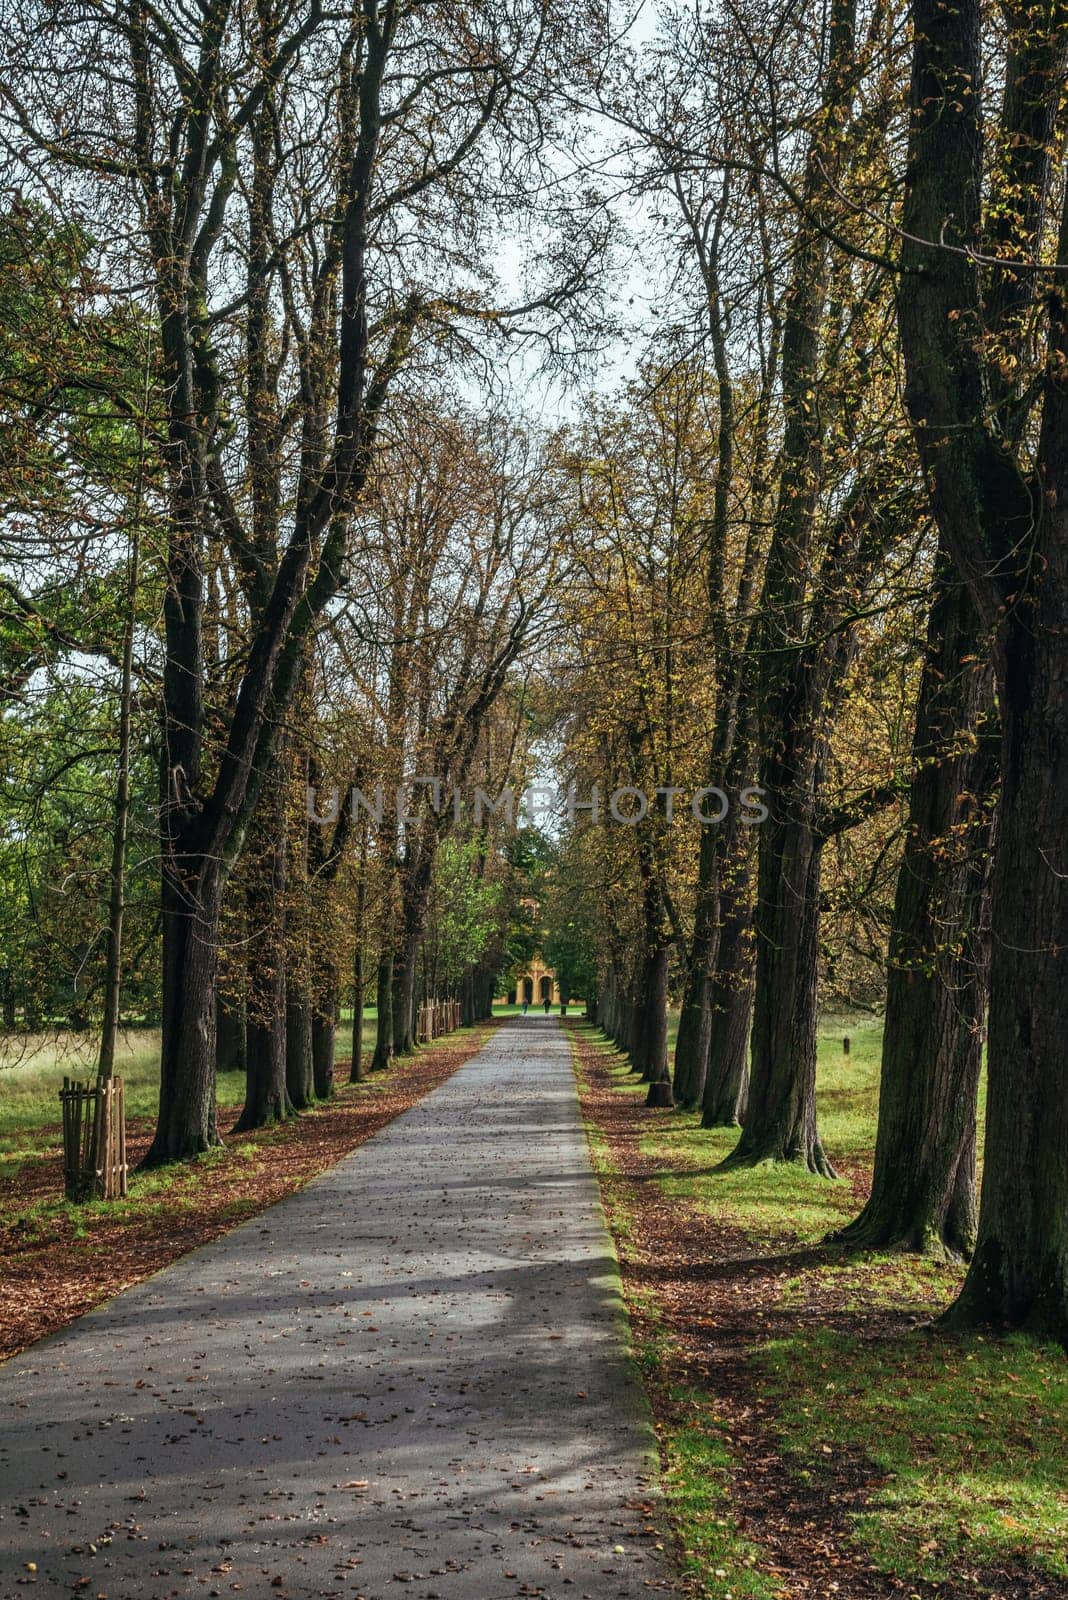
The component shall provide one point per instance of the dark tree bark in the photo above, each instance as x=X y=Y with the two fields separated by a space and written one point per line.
x=467 y=999
x=415 y=881
x=636 y=1014
x=793 y=697
x=356 y=1069
x=288 y=577
x=695 y=1018
x=781 y=1113
x=300 y=1074
x=324 y=1026
x=266 y=1094
x=655 y=1007
x=726 y=1087
x=383 y=1053
x=230 y=1049
x=1006 y=526
x=301 y=840
x=359 y=979
x=266 y=1099
x=923 y=1188
x=648 y=1050
x=324 y=859
x=109 y=1030
x=187 y=1124
x=404 y=976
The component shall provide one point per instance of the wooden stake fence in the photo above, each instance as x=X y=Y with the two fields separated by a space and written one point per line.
x=94 y=1139
x=435 y=1018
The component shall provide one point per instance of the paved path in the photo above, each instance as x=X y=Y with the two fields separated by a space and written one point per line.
x=406 y=1380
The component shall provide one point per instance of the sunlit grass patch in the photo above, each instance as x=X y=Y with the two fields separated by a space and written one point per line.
x=899 y=1282
x=782 y=1201
x=966 y=1438
x=767 y=1202
x=717 y=1558
x=970 y=1432
x=33 y=1066
x=716 y=1554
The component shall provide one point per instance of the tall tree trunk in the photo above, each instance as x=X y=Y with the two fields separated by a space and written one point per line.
x=300 y=1077
x=405 y=966
x=356 y=1070
x=1007 y=529
x=781 y=1116
x=324 y=1026
x=636 y=1011
x=726 y=1087
x=192 y=879
x=187 y=1124
x=655 y=1007
x=383 y=1054
x=300 y=1074
x=780 y=1122
x=923 y=1186
x=649 y=1052
x=266 y=1096
x=695 y=1019
x=415 y=884
x=1019 y=1271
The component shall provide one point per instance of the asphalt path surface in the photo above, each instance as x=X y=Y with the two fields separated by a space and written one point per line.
x=409 y=1379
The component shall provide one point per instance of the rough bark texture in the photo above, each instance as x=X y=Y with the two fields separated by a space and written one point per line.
x=187 y=1125
x=300 y=1076
x=695 y=1021
x=405 y=965
x=726 y=1088
x=266 y=1096
x=655 y=1006
x=356 y=1068
x=383 y=1054
x=1007 y=531
x=324 y=1026
x=780 y=1120
x=288 y=573
x=923 y=1188
x=1019 y=1271
x=648 y=1017
x=415 y=882
x=795 y=679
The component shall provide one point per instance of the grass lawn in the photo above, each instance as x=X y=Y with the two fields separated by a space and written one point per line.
x=963 y=1437
x=33 y=1066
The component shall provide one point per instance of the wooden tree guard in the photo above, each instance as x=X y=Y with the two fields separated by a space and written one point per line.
x=436 y=1017
x=94 y=1139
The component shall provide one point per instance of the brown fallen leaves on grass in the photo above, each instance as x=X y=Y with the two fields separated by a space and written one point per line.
x=718 y=1296
x=55 y=1266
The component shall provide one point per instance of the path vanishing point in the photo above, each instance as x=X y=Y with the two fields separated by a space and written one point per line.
x=408 y=1379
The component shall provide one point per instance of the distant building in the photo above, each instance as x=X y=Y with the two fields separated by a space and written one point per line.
x=536 y=985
